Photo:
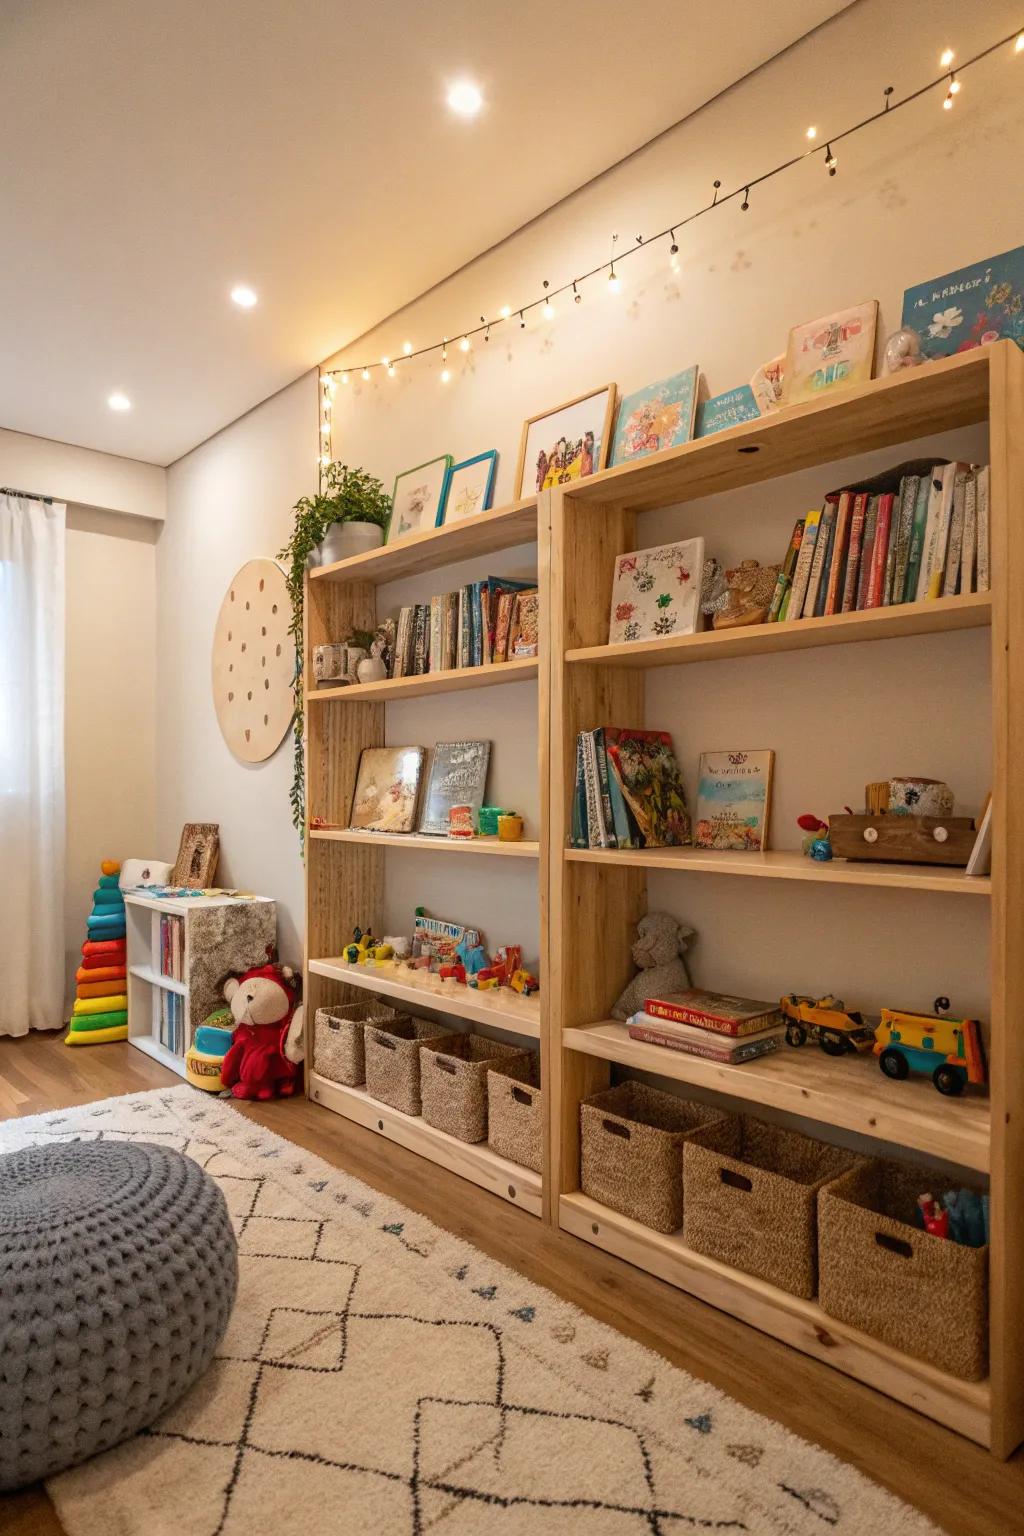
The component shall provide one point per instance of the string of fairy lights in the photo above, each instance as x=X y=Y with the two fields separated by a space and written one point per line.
x=949 y=81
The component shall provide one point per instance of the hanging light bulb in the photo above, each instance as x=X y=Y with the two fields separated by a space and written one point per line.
x=549 y=310
x=522 y=321
x=445 y=375
x=385 y=362
x=1018 y=46
x=746 y=199
x=325 y=459
x=407 y=347
x=391 y=370
x=948 y=101
x=812 y=132
x=464 y=344
x=830 y=160
x=954 y=86
x=576 y=295
x=365 y=375
x=946 y=58
x=614 y=282
x=506 y=311
x=325 y=429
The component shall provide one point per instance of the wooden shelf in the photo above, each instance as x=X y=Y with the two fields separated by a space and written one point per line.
x=950 y=392
x=962 y=1405
x=146 y=973
x=476 y=1162
x=972 y=611
x=789 y=865
x=847 y=1092
x=501 y=528
x=500 y=1007
x=394 y=689
x=417 y=840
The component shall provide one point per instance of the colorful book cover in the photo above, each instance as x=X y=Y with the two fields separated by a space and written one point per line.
x=627 y=833
x=493 y=590
x=502 y=626
x=834 y=352
x=658 y=416
x=826 y=564
x=651 y=784
x=853 y=559
x=656 y=592
x=837 y=566
x=867 y=551
x=734 y=800
x=717 y=1011
x=951 y=575
x=802 y=569
x=970 y=307
x=879 y=552
x=523 y=637
x=699 y=1033
x=387 y=784
x=458 y=776
x=970 y=543
x=768 y=385
x=828 y=513
x=711 y=1051
x=727 y=410
x=917 y=537
x=785 y=579
x=604 y=787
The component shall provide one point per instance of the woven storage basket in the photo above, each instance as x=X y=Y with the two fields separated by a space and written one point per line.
x=925 y=1296
x=338 y=1049
x=393 y=1060
x=631 y=1155
x=752 y=1199
x=454 y=1082
x=515 y=1116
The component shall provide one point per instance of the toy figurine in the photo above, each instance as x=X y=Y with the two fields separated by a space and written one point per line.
x=460 y=821
x=738 y=596
x=355 y=952
x=453 y=973
x=508 y=959
x=815 y=844
x=657 y=953
x=950 y=1051
x=522 y=982
x=472 y=954
x=484 y=980
x=265 y=1059
x=380 y=954
x=826 y=1021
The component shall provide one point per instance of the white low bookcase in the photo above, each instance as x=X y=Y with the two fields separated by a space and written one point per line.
x=211 y=923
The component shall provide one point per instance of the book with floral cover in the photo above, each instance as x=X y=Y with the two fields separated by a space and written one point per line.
x=733 y=800
x=656 y=592
x=647 y=774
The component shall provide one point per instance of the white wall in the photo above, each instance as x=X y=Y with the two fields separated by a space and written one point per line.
x=914 y=197
x=101 y=481
x=229 y=501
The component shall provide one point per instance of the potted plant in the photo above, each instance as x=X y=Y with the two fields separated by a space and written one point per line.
x=355 y=505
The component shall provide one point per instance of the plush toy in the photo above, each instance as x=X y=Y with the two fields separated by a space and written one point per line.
x=657 y=952
x=265 y=1059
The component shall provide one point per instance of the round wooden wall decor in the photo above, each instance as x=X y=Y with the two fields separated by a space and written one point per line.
x=253 y=662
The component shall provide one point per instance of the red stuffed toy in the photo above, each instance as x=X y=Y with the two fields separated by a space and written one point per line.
x=265 y=1058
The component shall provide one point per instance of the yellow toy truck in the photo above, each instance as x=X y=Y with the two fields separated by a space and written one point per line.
x=950 y=1051
x=826 y=1021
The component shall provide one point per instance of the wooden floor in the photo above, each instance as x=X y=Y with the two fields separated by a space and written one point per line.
x=964 y=1490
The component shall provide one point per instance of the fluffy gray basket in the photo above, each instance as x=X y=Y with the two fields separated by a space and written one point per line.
x=393 y=1060
x=339 y=1050
x=454 y=1082
x=515 y=1116
x=631 y=1155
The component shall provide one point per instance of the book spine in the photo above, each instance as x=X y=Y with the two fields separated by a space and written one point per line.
x=889 y=573
x=970 y=542
x=909 y=486
x=879 y=553
x=983 y=531
x=917 y=538
x=867 y=551
x=931 y=526
x=802 y=569
x=674 y=1013
x=951 y=575
x=435 y=650
x=940 y=542
x=598 y=836
x=604 y=788
x=860 y=502
x=709 y=1052
x=578 y=836
x=837 y=570
x=464 y=626
x=488 y=599
x=826 y=564
x=818 y=560
x=785 y=580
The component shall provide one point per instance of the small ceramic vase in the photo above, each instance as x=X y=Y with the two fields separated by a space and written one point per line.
x=371 y=670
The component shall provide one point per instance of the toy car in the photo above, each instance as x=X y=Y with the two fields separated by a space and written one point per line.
x=949 y=1050
x=827 y=1022
x=452 y=973
x=522 y=982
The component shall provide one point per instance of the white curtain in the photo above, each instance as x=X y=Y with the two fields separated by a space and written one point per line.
x=31 y=764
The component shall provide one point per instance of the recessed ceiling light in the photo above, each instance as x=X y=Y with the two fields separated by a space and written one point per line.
x=119 y=402
x=465 y=98
x=244 y=297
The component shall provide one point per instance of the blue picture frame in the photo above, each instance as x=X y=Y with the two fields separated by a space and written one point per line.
x=490 y=458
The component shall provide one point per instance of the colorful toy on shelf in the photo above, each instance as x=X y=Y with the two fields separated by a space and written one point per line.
x=205 y=1056
x=100 y=1012
x=400 y=945
x=471 y=953
x=522 y=982
x=657 y=952
x=460 y=821
x=950 y=1051
x=265 y=1059
x=826 y=1021
x=380 y=954
x=453 y=973
x=508 y=959
x=484 y=980
x=355 y=952
x=816 y=843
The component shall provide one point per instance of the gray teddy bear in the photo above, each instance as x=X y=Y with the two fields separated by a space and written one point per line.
x=658 y=952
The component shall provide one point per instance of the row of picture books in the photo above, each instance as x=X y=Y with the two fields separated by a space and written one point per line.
x=172 y=948
x=916 y=533
x=387 y=792
x=629 y=793
x=481 y=623
x=712 y=1025
x=171 y=1022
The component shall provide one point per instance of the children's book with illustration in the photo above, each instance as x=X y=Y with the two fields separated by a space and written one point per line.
x=718 y=1011
x=458 y=776
x=387 y=785
x=656 y=592
x=734 y=800
x=651 y=784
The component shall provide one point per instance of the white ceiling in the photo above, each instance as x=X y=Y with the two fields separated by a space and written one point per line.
x=156 y=154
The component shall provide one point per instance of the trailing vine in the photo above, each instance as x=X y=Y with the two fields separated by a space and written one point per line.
x=346 y=496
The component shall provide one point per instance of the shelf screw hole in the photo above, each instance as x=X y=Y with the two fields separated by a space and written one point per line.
x=511 y=1191
x=750 y=448
x=594 y=1228
x=380 y=1125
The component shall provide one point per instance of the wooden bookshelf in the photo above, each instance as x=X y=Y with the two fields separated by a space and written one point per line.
x=596 y=896
x=394 y=689
x=471 y=538
x=416 y=841
x=425 y=993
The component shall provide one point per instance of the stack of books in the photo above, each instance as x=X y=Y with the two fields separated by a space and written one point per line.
x=917 y=533
x=481 y=623
x=710 y=1024
x=628 y=792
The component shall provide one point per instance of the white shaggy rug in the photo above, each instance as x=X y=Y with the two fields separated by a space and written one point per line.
x=380 y=1377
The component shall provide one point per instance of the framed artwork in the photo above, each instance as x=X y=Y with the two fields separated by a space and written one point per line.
x=198 y=852
x=733 y=800
x=658 y=416
x=469 y=487
x=387 y=786
x=568 y=443
x=726 y=410
x=831 y=353
x=656 y=592
x=969 y=308
x=418 y=498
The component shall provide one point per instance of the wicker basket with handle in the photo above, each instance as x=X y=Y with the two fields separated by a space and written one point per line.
x=515 y=1116
x=923 y=1295
x=338 y=1047
x=752 y=1198
x=631 y=1154
x=393 y=1060
x=453 y=1079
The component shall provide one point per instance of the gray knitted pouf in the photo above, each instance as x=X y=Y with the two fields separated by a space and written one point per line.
x=118 y=1271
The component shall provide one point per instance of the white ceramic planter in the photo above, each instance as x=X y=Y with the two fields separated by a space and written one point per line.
x=346 y=539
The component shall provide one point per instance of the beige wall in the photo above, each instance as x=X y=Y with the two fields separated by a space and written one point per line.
x=102 y=481
x=914 y=197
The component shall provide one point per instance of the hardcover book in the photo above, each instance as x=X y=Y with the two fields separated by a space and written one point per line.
x=734 y=800
x=386 y=788
x=655 y=417
x=648 y=776
x=720 y=1011
x=853 y=559
x=970 y=307
x=831 y=353
x=523 y=639
x=727 y=410
x=751 y=1030
x=747 y=1051
x=458 y=776
x=802 y=569
x=656 y=592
